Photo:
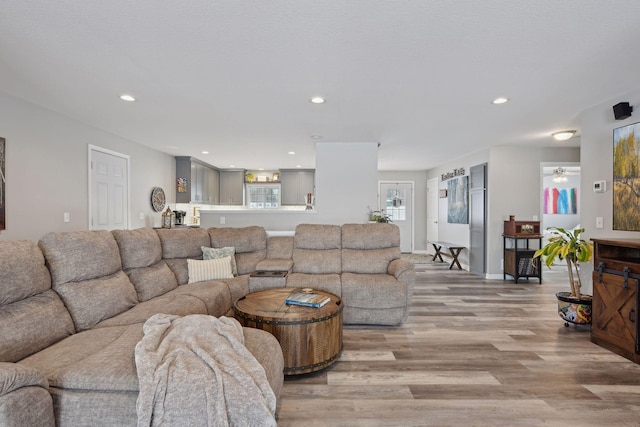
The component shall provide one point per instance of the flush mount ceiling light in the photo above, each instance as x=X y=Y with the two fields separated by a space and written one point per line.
x=205 y=152
x=559 y=175
x=500 y=100
x=128 y=98
x=292 y=152
x=317 y=100
x=563 y=135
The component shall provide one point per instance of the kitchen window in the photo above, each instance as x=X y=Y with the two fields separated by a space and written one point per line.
x=263 y=196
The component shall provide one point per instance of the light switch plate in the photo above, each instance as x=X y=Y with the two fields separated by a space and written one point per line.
x=599 y=222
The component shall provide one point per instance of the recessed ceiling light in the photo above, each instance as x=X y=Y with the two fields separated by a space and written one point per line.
x=260 y=169
x=299 y=166
x=292 y=152
x=316 y=136
x=127 y=98
x=317 y=100
x=232 y=166
x=563 y=135
x=500 y=100
x=205 y=152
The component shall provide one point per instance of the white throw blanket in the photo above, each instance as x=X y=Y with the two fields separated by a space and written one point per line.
x=196 y=371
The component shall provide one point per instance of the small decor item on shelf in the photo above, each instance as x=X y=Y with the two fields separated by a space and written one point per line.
x=567 y=245
x=167 y=218
x=309 y=201
x=379 y=216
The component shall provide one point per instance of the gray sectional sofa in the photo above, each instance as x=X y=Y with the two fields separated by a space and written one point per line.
x=72 y=306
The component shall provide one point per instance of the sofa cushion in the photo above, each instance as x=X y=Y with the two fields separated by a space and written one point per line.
x=138 y=248
x=91 y=301
x=22 y=271
x=34 y=323
x=279 y=247
x=325 y=282
x=152 y=281
x=243 y=239
x=250 y=245
x=80 y=255
x=210 y=269
x=179 y=268
x=368 y=261
x=228 y=251
x=97 y=359
x=317 y=261
x=183 y=243
x=370 y=236
x=377 y=291
x=317 y=236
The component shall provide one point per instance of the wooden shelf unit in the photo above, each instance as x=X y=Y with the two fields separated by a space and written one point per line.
x=517 y=253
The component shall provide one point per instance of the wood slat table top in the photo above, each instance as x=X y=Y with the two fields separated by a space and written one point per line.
x=269 y=305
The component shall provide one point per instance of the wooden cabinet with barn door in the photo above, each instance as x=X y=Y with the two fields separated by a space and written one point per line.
x=616 y=289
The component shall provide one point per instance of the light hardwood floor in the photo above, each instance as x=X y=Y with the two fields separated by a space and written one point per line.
x=473 y=352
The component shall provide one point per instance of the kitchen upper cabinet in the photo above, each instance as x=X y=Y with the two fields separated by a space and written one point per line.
x=232 y=187
x=202 y=181
x=295 y=185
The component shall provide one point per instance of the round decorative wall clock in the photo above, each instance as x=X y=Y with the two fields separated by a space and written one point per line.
x=157 y=199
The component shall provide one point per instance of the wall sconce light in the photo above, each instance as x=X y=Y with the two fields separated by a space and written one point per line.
x=563 y=135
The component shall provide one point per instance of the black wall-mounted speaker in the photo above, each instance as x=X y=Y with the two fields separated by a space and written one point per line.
x=622 y=110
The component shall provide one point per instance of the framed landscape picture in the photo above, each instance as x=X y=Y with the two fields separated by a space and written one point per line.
x=458 y=200
x=626 y=178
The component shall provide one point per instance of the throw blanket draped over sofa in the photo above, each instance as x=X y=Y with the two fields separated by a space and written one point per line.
x=178 y=352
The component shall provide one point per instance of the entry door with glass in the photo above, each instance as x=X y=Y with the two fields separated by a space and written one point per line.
x=397 y=201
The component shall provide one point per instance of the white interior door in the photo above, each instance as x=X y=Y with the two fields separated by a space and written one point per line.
x=109 y=190
x=396 y=198
x=432 y=210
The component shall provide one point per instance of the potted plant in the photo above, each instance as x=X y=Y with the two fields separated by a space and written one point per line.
x=567 y=245
x=379 y=216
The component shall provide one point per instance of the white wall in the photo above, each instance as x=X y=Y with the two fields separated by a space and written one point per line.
x=597 y=124
x=513 y=188
x=455 y=233
x=346 y=186
x=47 y=173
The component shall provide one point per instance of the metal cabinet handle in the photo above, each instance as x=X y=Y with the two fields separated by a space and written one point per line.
x=632 y=317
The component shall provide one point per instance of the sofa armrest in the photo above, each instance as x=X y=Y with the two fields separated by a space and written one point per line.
x=24 y=397
x=14 y=376
x=398 y=267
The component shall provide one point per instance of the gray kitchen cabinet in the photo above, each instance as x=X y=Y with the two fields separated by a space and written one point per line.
x=232 y=187
x=295 y=185
x=202 y=181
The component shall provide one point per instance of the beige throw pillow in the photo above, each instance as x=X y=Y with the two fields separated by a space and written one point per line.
x=210 y=269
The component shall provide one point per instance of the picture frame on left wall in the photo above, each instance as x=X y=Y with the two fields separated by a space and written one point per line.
x=3 y=209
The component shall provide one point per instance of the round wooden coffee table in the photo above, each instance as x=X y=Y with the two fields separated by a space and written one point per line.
x=311 y=338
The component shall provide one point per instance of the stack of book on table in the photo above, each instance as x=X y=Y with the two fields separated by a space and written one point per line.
x=307 y=299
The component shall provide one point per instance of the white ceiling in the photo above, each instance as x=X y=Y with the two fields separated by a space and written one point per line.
x=234 y=77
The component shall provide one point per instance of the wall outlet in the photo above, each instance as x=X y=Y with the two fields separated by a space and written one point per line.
x=535 y=217
x=142 y=216
x=599 y=222
x=66 y=217
x=502 y=264
x=223 y=220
